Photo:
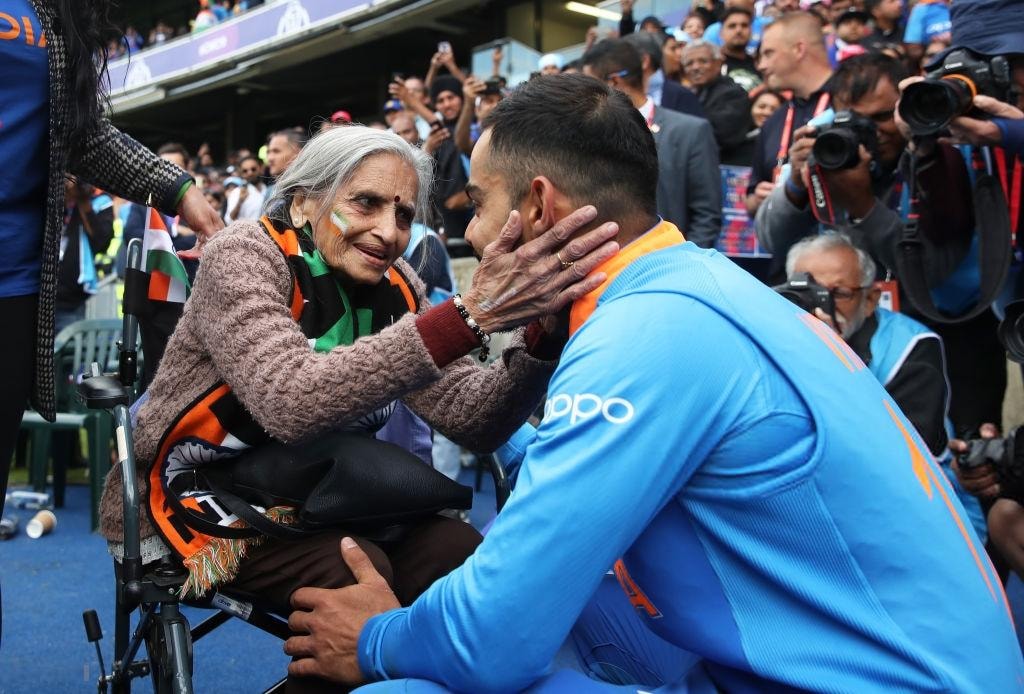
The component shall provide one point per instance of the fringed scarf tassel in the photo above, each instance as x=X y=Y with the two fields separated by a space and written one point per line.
x=218 y=561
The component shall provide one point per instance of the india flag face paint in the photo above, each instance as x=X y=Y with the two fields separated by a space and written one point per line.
x=341 y=222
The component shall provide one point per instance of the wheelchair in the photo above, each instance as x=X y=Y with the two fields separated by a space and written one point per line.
x=153 y=590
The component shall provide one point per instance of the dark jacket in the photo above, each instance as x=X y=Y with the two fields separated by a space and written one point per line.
x=728 y=109
x=110 y=160
x=689 y=183
x=679 y=98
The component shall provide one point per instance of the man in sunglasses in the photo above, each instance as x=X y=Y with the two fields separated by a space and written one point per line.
x=867 y=196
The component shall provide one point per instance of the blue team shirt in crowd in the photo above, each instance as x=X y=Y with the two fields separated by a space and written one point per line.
x=24 y=159
x=929 y=20
x=714 y=33
x=774 y=511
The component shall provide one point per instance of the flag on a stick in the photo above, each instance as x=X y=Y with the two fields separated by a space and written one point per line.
x=168 y=280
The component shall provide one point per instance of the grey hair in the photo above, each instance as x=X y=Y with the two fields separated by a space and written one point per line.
x=716 y=53
x=331 y=158
x=828 y=242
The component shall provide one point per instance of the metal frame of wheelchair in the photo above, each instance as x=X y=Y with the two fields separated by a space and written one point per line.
x=154 y=590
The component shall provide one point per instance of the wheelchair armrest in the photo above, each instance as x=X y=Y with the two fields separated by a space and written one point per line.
x=102 y=392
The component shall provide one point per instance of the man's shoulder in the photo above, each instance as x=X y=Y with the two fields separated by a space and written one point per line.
x=675 y=121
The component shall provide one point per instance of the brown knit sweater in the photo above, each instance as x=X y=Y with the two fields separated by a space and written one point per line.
x=237 y=327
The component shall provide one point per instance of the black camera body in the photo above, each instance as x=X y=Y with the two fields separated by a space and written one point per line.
x=837 y=147
x=948 y=92
x=1005 y=455
x=806 y=293
x=492 y=86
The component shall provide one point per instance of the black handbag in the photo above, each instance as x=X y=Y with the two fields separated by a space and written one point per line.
x=370 y=487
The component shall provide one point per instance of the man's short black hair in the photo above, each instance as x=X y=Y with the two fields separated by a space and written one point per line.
x=616 y=56
x=586 y=137
x=858 y=76
x=296 y=136
x=737 y=10
x=646 y=42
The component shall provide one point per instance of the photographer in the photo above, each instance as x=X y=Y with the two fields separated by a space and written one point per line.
x=905 y=356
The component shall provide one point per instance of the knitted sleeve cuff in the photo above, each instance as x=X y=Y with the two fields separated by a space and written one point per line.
x=171 y=198
x=445 y=334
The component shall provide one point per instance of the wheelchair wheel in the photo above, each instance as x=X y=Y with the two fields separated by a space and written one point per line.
x=169 y=643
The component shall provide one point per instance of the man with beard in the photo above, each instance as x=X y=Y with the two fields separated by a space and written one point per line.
x=739 y=65
x=449 y=197
x=246 y=201
x=905 y=356
x=868 y=196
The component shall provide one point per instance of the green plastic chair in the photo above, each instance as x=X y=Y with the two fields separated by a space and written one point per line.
x=76 y=347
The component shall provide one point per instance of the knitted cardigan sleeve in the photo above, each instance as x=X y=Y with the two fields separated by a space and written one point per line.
x=241 y=301
x=119 y=165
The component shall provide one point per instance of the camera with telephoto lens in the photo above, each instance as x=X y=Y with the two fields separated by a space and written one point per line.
x=806 y=293
x=1005 y=455
x=838 y=145
x=948 y=92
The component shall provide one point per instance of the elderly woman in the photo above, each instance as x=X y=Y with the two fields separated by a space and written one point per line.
x=308 y=322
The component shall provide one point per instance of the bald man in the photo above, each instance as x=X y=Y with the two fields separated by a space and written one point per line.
x=793 y=57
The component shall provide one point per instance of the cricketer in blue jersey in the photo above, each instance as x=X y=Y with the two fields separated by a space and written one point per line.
x=774 y=512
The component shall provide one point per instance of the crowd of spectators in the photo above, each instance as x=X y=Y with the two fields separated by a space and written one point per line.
x=210 y=13
x=738 y=83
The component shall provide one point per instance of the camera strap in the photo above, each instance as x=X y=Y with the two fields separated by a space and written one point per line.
x=1011 y=188
x=992 y=225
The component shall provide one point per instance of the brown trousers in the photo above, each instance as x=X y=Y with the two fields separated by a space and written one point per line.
x=276 y=569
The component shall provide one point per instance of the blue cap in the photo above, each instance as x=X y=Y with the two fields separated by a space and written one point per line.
x=392 y=105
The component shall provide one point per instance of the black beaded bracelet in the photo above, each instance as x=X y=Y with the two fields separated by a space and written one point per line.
x=484 y=338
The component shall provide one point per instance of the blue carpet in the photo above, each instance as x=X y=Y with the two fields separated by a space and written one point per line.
x=48 y=583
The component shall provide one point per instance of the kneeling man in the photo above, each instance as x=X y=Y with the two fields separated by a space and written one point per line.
x=774 y=511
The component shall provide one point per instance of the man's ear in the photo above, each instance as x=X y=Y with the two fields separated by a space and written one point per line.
x=539 y=211
x=645 y=63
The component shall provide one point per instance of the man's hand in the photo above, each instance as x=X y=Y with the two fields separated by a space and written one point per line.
x=434 y=140
x=799 y=151
x=398 y=90
x=761 y=191
x=472 y=88
x=980 y=481
x=977 y=132
x=328 y=622
x=851 y=188
x=197 y=214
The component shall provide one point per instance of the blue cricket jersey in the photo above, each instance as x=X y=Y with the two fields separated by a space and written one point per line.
x=774 y=511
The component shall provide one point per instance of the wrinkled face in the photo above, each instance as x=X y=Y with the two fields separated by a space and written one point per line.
x=736 y=31
x=779 y=60
x=280 y=153
x=838 y=270
x=700 y=66
x=250 y=170
x=367 y=228
x=694 y=27
x=448 y=105
x=671 y=56
x=488 y=189
x=764 y=106
x=880 y=106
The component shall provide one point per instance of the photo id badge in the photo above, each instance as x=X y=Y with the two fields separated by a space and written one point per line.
x=890 y=298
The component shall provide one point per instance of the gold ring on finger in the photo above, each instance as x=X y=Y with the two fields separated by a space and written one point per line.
x=566 y=264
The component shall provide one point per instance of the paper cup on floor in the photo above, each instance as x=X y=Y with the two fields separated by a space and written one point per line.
x=42 y=523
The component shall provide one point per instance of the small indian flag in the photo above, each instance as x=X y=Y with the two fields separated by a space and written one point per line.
x=168 y=280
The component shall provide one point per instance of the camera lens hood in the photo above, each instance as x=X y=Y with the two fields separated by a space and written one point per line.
x=1011 y=331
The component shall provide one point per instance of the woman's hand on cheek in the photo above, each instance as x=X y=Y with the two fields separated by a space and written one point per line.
x=513 y=286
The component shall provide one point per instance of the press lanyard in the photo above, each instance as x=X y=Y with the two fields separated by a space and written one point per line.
x=787 y=130
x=1013 y=196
